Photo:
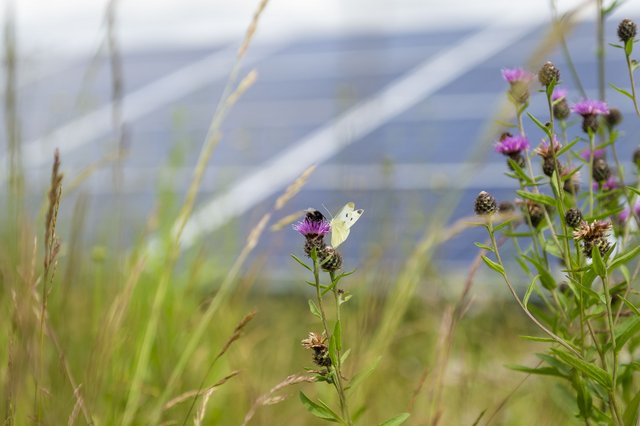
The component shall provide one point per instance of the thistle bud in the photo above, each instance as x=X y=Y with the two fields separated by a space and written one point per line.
x=573 y=217
x=485 y=204
x=627 y=30
x=548 y=74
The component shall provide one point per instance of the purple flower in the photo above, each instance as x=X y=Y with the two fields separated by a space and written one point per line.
x=559 y=93
x=608 y=185
x=512 y=145
x=624 y=214
x=590 y=107
x=309 y=227
x=586 y=154
x=515 y=75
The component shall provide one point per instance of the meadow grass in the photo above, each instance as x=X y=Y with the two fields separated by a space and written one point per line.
x=156 y=335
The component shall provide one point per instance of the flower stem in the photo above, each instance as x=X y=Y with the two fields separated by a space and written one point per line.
x=615 y=410
x=338 y=367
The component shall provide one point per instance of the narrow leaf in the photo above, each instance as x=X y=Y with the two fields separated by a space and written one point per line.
x=484 y=247
x=301 y=262
x=525 y=301
x=314 y=309
x=540 y=371
x=598 y=264
x=493 y=265
x=629 y=329
x=624 y=258
x=621 y=91
x=318 y=410
x=538 y=198
x=539 y=124
x=396 y=420
x=596 y=373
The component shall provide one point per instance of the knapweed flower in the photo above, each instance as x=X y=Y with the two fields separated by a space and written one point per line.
x=594 y=234
x=573 y=217
x=571 y=179
x=624 y=214
x=609 y=184
x=600 y=170
x=519 y=81
x=330 y=259
x=535 y=211
x=627 y=30
x=318 y=343
x=613 y=118
x=548 y=74
x=314 y=227
x=597 y=153
x=512 y=145
x=590 y=109
x=561 y=108
x=548 y=151
x=485 y=204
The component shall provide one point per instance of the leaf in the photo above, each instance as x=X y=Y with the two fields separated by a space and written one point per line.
x=540 y=371
x=396 y=420
x=297 y=259
x=616 y=45
x=314 y=309
x=623 y=258
x=630 y=305
x=344 y=356
x=628 y=47
x=567 y=147
x=519 y=173
x=333 y=349
x=628 y=329
x=539 y=124
x=525 y=301
x=493 y=265
x=621 y=91
x=337 y=332
x=361 y=375
x=633 y=189
x=484 y=247
x=538 y=198
x=318 y=410
x=546 y=279
x=630 y=415
x=596 y=373
x=597 y=263
x=538 y=339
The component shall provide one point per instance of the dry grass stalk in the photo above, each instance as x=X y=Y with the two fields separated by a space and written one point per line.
x=269 y=399
x=253 y=26
x=197 y=392
x=294 y=188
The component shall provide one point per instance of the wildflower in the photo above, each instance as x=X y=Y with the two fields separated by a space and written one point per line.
x=314 y=227
x=594 y=234
x=512 y=147
x=561 y=108
x=548 y=151
x=613 y=118
x=571 y=179
x=590 y=109
x=535 y=211
x=318 y=343
x=485 y=204
x=608 y=185
x=624 y=214
x=627 y=30
x=600 y=170
x=506 y=207
x=573 y=217
x=548 y=74
x=518 y=80
x=597 y=153
x=330 y=259
x=636 y=157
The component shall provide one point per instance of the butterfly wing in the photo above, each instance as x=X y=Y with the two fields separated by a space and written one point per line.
x=342 y=222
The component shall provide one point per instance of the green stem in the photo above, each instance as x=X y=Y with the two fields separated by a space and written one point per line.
x=615 y=410
x=551 y=334
x=591 y=149
x=338 y=367
x=633 y=84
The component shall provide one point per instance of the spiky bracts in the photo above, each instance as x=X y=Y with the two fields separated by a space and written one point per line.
x=561 y=109
x=594 y=234
x=549 y=154
x=314 y=227
x=485 y=204
x=573 y=217
x=627 y=30
x=548 y=74
x=318 y=344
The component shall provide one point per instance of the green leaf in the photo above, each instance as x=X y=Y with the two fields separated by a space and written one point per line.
x=538 y=339
x=359 y=377
x=597 y=263
x=628 y=47
x=623 y=258
x=314 y=309
x=297 y=259
x=540 y=371
x=630 y=305
x=544 y=128
x=484 y=247
x=591 y=370
x=318 y=410
x=538 y=198
x=630 y=415
x=627 y=330
x=333 y=349
x=344 y=356
x=621 y=91
x=493 y=265
x=396 y=420
x=502 y=225
x=546 y=279
x=567 y=147
x=519 y=173
x=616 y=45
x=633 y=189
x=337 y=332
x=525 y=301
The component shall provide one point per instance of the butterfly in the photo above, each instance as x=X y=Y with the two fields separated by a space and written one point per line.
x=342 y=222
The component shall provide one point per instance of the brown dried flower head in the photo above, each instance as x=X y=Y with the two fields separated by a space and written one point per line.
x=315 y=341
x=592 y=231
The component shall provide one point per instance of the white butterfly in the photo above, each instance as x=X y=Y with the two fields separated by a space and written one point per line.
x=341 y=223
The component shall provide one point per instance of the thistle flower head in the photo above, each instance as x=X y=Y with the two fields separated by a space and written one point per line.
x=590 y=107
x=548 y=74
x=512 y=145
x=597 y=153
x=516 y=75
x=591 y=231
x=546 y=149
x=559 y=93
x=315 y=341
x=485 y=204
x=627 y=30
x=609 y=184
x=311 y=228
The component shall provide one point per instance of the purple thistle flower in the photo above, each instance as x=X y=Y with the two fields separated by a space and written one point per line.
x=608 y=185
x=590 y=107
x=308 y=227
x=586 y=154
x=515 y=75
x=559 y=93
x=512 y=145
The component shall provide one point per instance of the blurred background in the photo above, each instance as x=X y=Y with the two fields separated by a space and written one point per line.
x=397 y=103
